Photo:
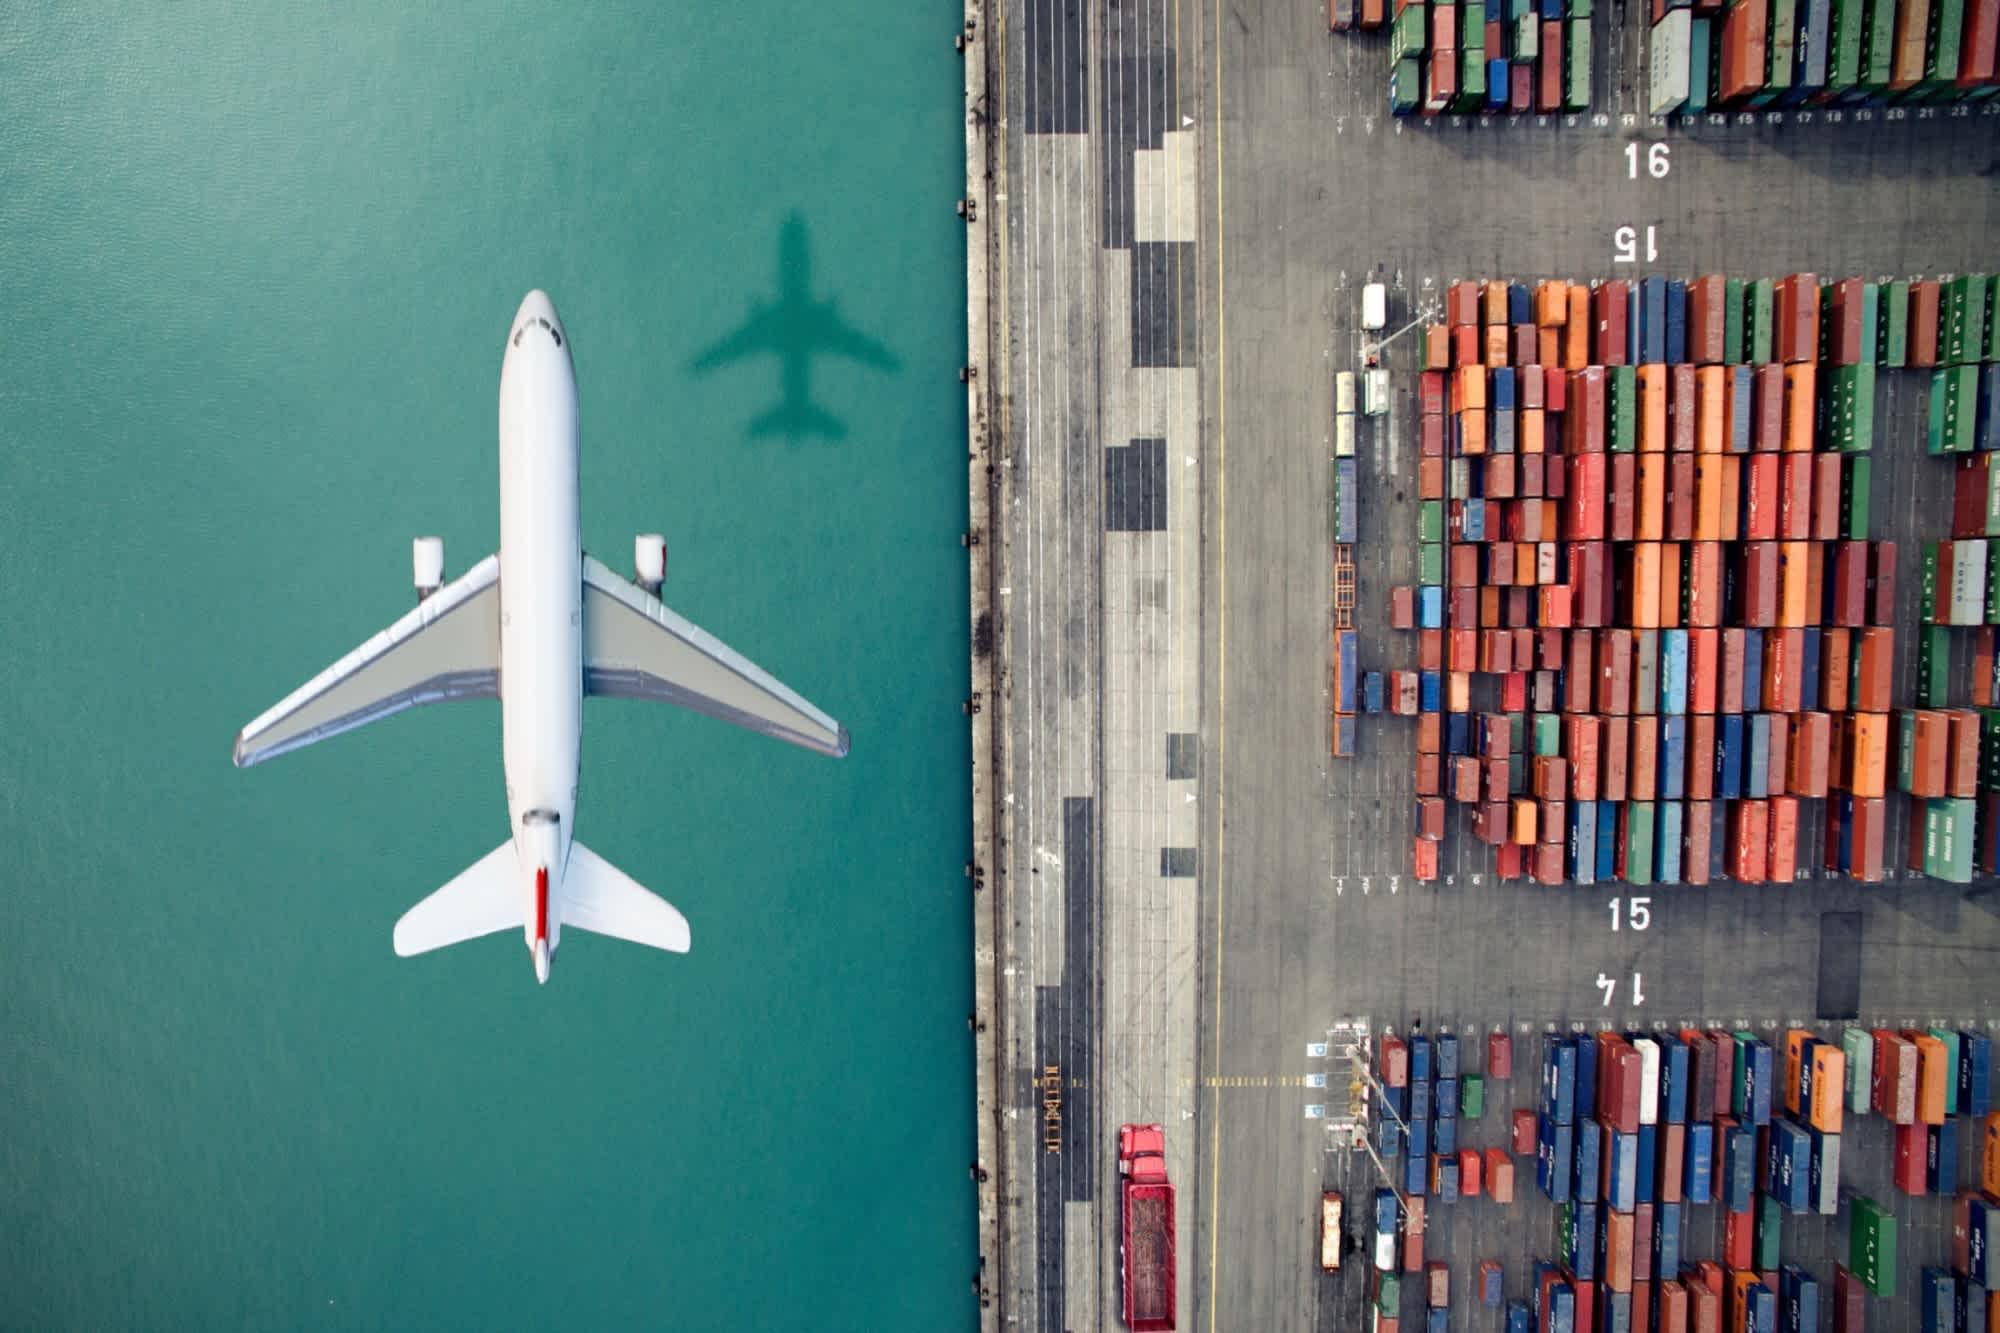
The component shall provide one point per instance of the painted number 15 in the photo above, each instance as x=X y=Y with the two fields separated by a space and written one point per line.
x=1625 y=244
x=1634 y=912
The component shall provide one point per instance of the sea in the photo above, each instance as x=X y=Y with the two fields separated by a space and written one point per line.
x=258 y=259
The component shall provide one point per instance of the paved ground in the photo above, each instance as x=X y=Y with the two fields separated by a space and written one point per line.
x=1169 y=614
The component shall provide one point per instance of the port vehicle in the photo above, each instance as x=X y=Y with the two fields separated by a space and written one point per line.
x=1329 y=1231
x=554 y=625
x=1375 y=392
x=1374 y=306
x=1146 y=1243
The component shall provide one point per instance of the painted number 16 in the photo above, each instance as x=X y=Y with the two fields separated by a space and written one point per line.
x=1625 y=244
x=1656 y=159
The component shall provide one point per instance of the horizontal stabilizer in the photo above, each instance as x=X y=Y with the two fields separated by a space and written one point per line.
x=487 y=896
x=602 y=899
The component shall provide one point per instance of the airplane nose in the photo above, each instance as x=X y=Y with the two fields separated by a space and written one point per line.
x=537 y=305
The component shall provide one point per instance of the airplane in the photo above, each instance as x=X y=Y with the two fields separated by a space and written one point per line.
x=794 y=327
x=539 y=626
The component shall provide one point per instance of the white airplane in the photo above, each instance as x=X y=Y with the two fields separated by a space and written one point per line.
x=538 y=626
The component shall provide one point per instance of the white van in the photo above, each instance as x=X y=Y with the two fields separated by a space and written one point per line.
x=1374 y=306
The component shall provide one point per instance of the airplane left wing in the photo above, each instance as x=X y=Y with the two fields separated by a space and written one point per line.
x=635 y=648
x=447 y=647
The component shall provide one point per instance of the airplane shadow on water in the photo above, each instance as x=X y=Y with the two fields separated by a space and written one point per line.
x=795 y=328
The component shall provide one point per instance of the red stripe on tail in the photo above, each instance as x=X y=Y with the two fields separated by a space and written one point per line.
x=541 y=902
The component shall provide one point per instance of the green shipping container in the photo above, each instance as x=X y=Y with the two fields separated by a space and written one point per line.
x=1527 y=39
x=1638 y=842
x=1954 y=409
x=1850 y=415
x=1389 y=1293
x=1757 y=330
x=1858 y=1044
x=1472 y=25
x=1941 y=40
x=1576 y=73
x=1430 y=563
x=1430 y=513
x=1964 y=319
x=1699 y=46
x=1933 y=666
x=1472 y=1096
x=1517 y=769
x=1906 y=747
x=1993 y=318
x=1622 y=392
x=1878 y=46
x=1844 y=45
x=1408 y=34
x=1406 y=84
x=1893 y=345
x=1871 y=1246
x=1992 y=608
x=1580 y=9
x=1948 y=828
x=1547 y=735
x=1732 y=322
x=1770 y=1223
x=1781 y=45
x=1927 y=572
x=1989 y=749
x=1871 y=316
x=1856 y=474
x=1471 y=80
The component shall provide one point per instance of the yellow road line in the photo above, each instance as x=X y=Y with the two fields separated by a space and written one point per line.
x=1221 y=664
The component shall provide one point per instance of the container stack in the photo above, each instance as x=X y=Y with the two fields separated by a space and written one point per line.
x=1463 y=57
x=1709 y=55
x=1644 y=531
x=1427 y=1095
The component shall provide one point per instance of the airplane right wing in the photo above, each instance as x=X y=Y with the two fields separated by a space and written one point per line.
x=446 y=647
x=758 y=333
x=635 y=648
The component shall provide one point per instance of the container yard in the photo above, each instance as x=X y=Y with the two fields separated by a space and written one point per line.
x=1679 y=1179
x=1365 y=503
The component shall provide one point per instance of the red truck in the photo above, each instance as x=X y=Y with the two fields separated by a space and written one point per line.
x=1146 y=1250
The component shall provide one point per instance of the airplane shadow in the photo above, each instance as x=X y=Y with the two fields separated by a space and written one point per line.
x=795 y=328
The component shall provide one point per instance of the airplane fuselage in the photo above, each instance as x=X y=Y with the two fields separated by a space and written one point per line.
x=541 y=610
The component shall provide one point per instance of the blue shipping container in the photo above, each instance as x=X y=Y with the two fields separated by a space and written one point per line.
x=1975 y=1074
x=1673 y=671
x=1416 y=1172
x=1667 y=838
x=1937 y=1300
x=1420 y=1099
x=1385 y=1210
x=1649 y=1146
x=1586 y=1074
x=1520 y=306
x=1554 y=1150
x=1580 y=1240
x=1941 y=1158
x=1809 y=673
x=1562 y=1309
x=1652 y=321
x=1756 y=776
x=1347 y=654
x=1430 y=611
x=1824 y=1187
x=1672 y=751
x=1446 y=1047
x=1458 y=733
x=1799 y=1292
x=1388 y=1137
x=1759 y=1082
x=1788 y=1164
x=1589 y=1158
x=1444 y=1133
x=1614 y=1311
x=1371 y=692
x=1622 y=1190
x=1582 y=865
x=1667 y=1224
x=1698 y=1162
x=1559 y=1081
x=1518 y=1319
x=1430 y=688
x=1753 y=670
x=1677 y=323
x=1437 y=1319
x=1739 y=1168
x=1500 y=386
x=1729 y=757
x=1417 y=1134
x=1489 y=1288
x=1673 y=1080
x=1760 y=1310
x=1738 y=401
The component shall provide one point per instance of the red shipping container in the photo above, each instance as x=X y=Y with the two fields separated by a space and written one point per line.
x=1555 y=389
x=1795 y=495
x=1706 y=314
x=1672 y=1302
x=1704 y=657
x=1784 y=840
x=1731 y=700
x=1616 y=735
x=1642 y=1242
x=1609 y=304
x=1850 y=1302
x=1619 y=1073
x=1680 y=494
x=1394 y=1063
x=1778 y=767
x=1892 y=1086
x=1643 y=775
x=1749 y=842
x=1580 y=739
x=1912 y=1145
x=1923 y=343
x=1762 y=496
x=1499 y=1176
x=1783 y=667
x=1767 y=433
x=1499 y=1056
x=1875 y=674
x=1704 y=1309
x=1870 y=831
x=1524 y=1131
x=1614 y=671
x=1962 y=767
x=1850 y=580
x=1700 y=783
x=1585 y=499
x=1977 y=47
x=1882 y=583
x=1622 y=502
x=1797 y=310
x=1549 y=94
x=1738 y=1230
x=1843 y=335
x=1835 y=646
x=1680 y=408
x=1461 y=303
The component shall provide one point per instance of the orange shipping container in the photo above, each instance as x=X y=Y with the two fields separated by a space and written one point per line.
x=1576 y=332
x=1651 y=524
x=1962 y=768
x=1670 y=586
x=1643 y=771
x=1704 y=591
x=1472 y=431
x=1711 y=398
x=1829 y=1085
x=1499 y=1176
x=1989 y=1161
x=1867 y=753
x=1799 y=403
x=1749 y=833
x=1704 y=652
x=1708 y=472
x=1645 y=610
x=1548 y=347
x=1933 y=1068
x=1826 y=497
x=1496 y=345
x=1552 y=303
x=1782 y=865
x=1618 y=1251
x=1876 y=673
x=1531 y=431
x=1652 y=409
x=1732 y=490
x=1795 y=483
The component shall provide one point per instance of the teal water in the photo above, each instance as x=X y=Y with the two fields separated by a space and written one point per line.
x=257 y=261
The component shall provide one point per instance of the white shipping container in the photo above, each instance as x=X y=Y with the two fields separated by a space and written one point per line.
x=1385 y=1251
x=1968 y=583
x=1375 y=393
x=1343 y=391
x=1343 y=435
x=1649 y=1075
x=1670 y=46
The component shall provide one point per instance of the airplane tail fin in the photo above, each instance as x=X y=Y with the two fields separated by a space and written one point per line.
x=794 y=420
x=602 y=899
x=483 y=898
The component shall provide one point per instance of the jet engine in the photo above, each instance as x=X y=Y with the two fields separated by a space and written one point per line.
x=649 y=561
x=427 y=563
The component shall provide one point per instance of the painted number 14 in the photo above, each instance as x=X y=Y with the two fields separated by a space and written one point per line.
x=1609 y=985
